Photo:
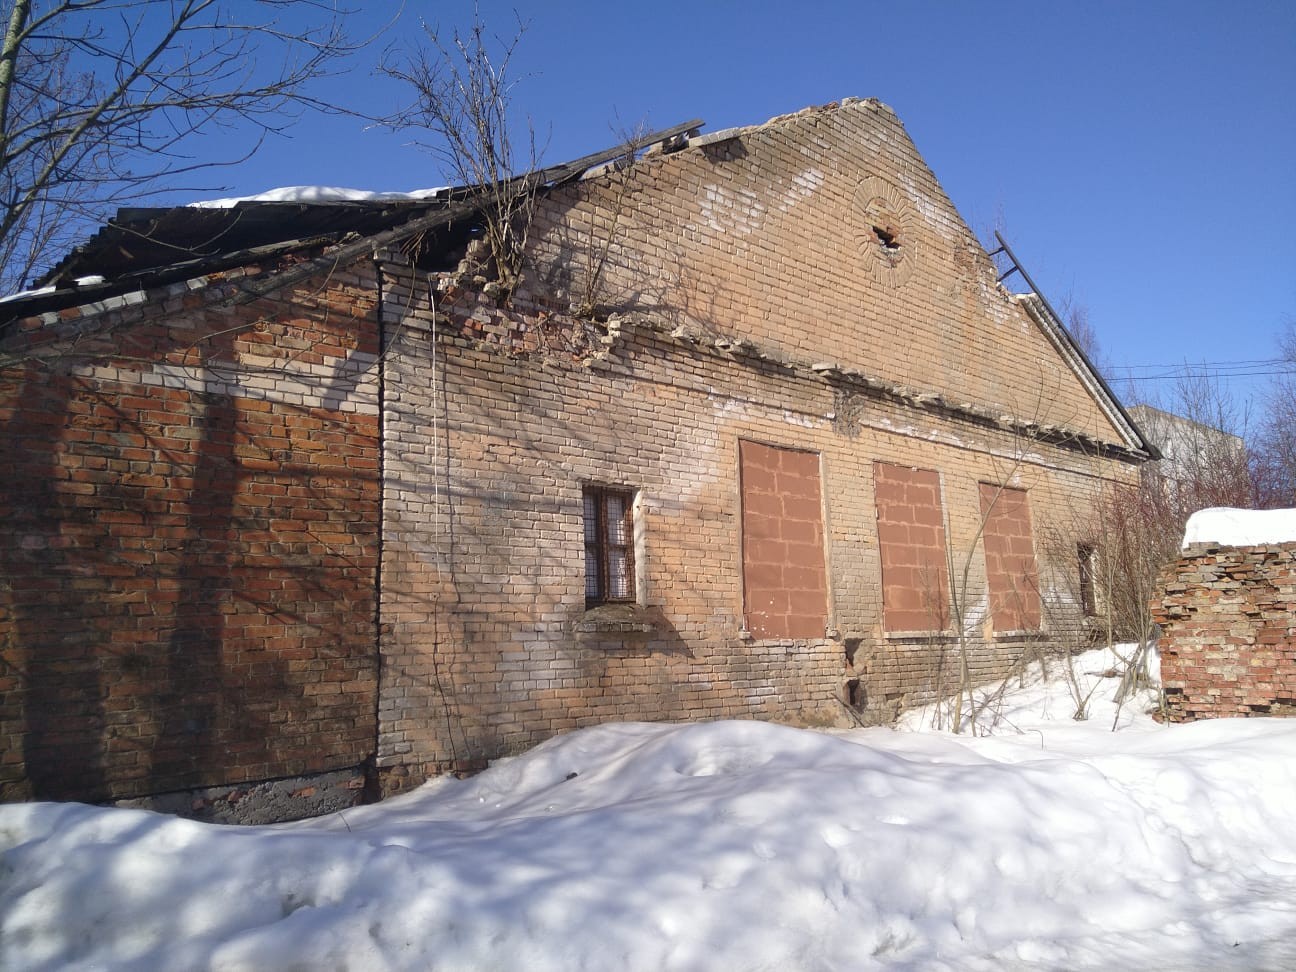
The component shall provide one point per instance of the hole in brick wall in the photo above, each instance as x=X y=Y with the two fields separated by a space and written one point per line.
x=887 y=237
x=852 y=646
x=854 y=694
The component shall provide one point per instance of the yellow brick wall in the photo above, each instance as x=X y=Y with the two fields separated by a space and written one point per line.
x=742 y=279
x=767 y=236
x=488 y=647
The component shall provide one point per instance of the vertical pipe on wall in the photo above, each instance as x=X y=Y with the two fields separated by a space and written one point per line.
x=373 y=788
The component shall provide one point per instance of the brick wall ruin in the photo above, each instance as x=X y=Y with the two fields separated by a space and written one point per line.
x=734 y=296
x=1228 y=632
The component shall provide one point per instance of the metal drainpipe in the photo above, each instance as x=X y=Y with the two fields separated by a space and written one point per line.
x=373 y=789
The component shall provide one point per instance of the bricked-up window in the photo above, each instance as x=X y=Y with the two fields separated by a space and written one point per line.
x=609 y=545
x=1010 y=559
x=785 y=590
x=911 y=539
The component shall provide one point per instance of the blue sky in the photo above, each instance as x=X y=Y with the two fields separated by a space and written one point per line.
x=1139 y=156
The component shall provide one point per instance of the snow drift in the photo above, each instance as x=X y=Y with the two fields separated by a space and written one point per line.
x=731 y=845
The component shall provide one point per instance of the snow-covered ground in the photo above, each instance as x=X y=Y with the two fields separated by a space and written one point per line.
x=1052 y=844
x=319 y=194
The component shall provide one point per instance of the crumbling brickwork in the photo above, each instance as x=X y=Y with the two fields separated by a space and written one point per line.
x=1228 y=632
x=488 y=647
x=190 y=499
x=770 y=235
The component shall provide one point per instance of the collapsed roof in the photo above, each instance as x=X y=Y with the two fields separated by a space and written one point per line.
x=141 y=248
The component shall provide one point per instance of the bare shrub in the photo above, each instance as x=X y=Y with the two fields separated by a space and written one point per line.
x=463 y=97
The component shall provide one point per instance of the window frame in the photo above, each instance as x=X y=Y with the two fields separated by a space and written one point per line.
x=601 y=549
x=1087 y=556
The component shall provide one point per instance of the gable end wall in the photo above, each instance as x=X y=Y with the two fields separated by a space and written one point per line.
x=495 y=420
x=769 y=236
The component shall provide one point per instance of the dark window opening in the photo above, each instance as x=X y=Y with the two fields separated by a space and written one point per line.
x=609 y=546
x=854 y=694
x=887 y=237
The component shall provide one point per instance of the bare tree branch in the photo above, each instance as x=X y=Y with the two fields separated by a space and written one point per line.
x=1274 y=457
x=100 y=101
x=463 y=97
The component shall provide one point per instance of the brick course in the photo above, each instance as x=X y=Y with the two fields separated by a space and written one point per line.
x=914 y=552
x=1009 y=543
x=784 y=592
x=745 y=307
x=488 y=648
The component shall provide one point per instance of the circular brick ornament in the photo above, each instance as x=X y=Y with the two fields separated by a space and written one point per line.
x=884 y=223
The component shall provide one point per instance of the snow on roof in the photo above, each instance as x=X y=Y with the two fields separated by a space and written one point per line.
x=1240 y=528
x=39 y=291
x=319 y=194
x=89 y=281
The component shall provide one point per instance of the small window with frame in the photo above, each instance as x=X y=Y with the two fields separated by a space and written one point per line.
x=609 y=545
x=1086 y=554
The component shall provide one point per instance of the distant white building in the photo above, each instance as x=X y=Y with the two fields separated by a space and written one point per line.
x=1200 y=465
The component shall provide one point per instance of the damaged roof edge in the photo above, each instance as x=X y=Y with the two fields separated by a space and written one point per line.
x=1039 y=307
x=119 y=235
x=1044 y=315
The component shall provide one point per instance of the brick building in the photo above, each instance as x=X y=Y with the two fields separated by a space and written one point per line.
x=758 y=434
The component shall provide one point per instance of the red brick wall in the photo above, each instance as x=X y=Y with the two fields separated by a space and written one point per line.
x=1011 y=576
x=190 y=507
x=753 y=303
x=1228 y=632
x=784 y=590
x=911 y=539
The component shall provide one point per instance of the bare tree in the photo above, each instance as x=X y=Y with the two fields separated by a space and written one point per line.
x=463 y=96
x=101 y=102
x=1137 y=528
x=1274 y=460
x=1080 y=326
x=1200 y=431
